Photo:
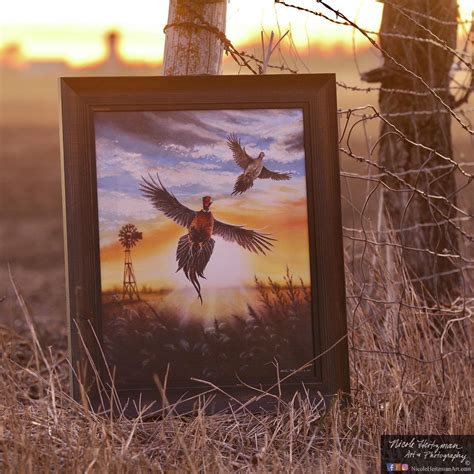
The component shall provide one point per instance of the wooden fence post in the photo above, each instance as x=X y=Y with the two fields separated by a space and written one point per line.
x=192 y=44
x=407 y=34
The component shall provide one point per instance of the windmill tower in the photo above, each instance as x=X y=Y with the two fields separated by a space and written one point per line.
x=128 y=237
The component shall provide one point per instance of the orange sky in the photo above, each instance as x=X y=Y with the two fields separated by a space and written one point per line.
x=229 y=285
x=286 y=220
x=73 y=32
x=189 y=151
x=58 y=29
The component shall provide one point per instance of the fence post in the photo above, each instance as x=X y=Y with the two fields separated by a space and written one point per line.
x=420 y=35
x=192 y=44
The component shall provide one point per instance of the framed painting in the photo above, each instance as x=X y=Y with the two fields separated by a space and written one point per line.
x=203 y=240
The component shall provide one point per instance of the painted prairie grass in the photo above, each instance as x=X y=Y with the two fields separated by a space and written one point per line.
x=411 y=372
x=278 y=331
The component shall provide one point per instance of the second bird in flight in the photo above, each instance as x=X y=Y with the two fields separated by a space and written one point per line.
x=253 y=167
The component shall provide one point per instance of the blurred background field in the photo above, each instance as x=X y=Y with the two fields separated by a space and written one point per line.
x=31 y=229
x=406 y=375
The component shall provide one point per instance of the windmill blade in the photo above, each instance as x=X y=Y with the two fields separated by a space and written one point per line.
x=128 y=236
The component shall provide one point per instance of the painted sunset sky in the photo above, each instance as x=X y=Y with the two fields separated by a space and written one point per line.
x=188 y=149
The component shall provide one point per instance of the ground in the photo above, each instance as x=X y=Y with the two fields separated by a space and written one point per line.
x=408 y=380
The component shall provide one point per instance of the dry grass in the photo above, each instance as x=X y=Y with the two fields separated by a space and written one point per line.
x=407 y=376
x=410 y=366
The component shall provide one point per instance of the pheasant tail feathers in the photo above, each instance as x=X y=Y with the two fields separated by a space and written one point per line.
x=243 y=183
x=193 y=259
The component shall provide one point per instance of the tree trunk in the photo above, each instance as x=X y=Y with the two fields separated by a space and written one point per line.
x=419 y=222
x=192 y=43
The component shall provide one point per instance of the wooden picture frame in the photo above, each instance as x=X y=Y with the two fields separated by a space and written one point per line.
x=84 y=101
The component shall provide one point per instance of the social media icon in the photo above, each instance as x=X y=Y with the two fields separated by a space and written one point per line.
x=390 y=467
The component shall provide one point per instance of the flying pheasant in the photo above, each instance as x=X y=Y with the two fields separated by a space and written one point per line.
x=195 y=248
x=253 y=167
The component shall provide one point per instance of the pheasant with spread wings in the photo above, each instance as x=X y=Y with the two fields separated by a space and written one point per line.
x=253 y=167
x=195 y=248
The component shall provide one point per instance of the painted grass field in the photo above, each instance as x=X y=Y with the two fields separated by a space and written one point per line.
x=143 y=337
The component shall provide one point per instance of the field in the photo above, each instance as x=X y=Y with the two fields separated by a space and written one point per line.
x=141 y=338
x=407 y=374
x=406 y=381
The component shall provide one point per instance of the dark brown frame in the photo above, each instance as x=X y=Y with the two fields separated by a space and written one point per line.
x=316 y=94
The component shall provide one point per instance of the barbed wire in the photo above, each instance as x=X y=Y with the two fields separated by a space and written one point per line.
x=435 y=39
x=398 y=91
x=386 y=54
x=369 y=234
x=407 y=247
x=402 y=136
x=410 y=113
x=432 y=18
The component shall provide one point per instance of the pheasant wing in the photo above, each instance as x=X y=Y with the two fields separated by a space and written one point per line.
x=240 y=155
x=267 y=174
x=249 y=239
x=166 y=202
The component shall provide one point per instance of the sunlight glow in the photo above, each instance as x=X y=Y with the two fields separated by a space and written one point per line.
x=53 y=29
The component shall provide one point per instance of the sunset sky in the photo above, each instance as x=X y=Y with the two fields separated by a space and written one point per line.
x=73 y=31
x=58 y=30
x=188 y=149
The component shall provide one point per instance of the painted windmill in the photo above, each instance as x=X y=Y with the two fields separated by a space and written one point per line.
x=128 y=238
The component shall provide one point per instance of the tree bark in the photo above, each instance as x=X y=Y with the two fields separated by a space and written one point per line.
x=192 y=44
x=419 y=222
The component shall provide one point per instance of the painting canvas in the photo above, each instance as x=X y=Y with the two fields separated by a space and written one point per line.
x=204 y=245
